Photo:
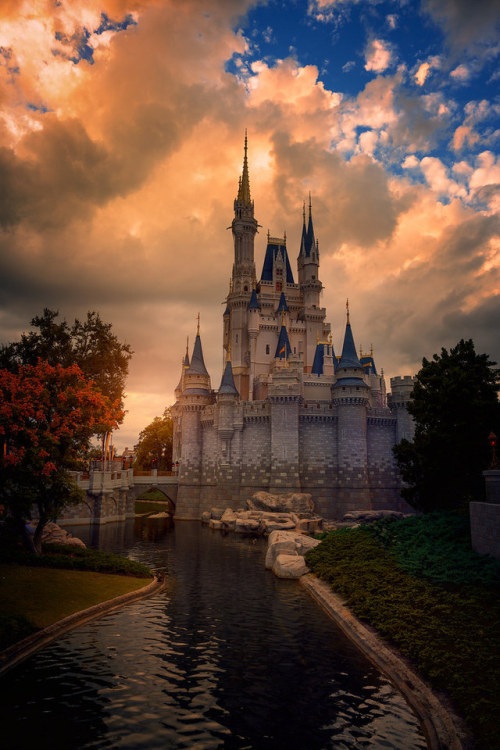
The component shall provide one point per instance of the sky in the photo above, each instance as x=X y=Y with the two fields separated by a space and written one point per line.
x=121 y=142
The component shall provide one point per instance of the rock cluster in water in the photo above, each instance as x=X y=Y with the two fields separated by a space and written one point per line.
x=266 y=513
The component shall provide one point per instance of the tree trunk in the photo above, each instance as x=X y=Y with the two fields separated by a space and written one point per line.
x=37 y=538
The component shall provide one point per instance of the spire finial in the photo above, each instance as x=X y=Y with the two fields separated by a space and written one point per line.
x=371 y=350
x=282 y=316
x=347 y=309
x=198 y=326
x=284 y=236
x=244 y=183
x=330 y=338
x=317 y=338
x=230 y=286
x=310 y=205
x=304 y=211
x=228 y=352
x=268 y=235
x=187 y=346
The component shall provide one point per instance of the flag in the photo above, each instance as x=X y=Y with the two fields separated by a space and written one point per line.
x=282 y=350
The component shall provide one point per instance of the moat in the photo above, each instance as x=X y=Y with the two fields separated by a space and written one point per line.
x=227 y=657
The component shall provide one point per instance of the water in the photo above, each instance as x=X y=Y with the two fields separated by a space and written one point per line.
x=228 y=657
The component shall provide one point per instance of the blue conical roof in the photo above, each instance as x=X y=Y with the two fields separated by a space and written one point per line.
x=272 y=251
x=227 y=383
x=283 y=350
x=310 y=240
x=254 y=302
x=197 y=366
x=282 y=307
x=319 y=356
x=303 y=239
x=349 y=356
x=368 y=364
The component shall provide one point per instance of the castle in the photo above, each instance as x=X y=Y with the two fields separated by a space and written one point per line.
x=290 y=414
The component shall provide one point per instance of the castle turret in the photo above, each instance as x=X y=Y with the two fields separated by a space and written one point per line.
x=310 y=287
x=401 y=389
x=244 y=228
x=196 y=395
x=350 y=396
x=253 y=330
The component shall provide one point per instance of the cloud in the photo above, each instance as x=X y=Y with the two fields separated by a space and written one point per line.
x=378 y=56
x=461 y=73
x=469 y=26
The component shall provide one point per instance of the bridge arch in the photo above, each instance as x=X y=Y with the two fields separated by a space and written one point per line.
x=169 y=495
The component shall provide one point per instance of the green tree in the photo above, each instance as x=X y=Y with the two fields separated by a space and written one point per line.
x=455 y=406
x=90 y=344
x=154 y=449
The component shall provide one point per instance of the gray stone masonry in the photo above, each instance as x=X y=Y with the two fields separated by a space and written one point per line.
x=485 y=528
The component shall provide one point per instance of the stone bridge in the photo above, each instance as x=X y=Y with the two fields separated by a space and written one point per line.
x=110 y=494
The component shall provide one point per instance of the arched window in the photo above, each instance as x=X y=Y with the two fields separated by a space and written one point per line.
x=267 y=349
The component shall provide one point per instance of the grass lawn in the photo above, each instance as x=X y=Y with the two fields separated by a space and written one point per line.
x=38 y=590
x=45 y=595
x=419 y=583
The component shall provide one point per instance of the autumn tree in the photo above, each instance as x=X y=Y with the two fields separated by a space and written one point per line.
x=48 y=414
x=455 y=406
x=90 y=344
x=154 y=449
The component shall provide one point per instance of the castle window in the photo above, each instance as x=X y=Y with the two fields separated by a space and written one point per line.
x=267 y=348
x=279 y=286
x=313 y=277
x=245 y=288
x=294 y=350
x=279 y=272
x=236 y=339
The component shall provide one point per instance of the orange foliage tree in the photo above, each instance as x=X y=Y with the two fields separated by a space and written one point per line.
x=48 y=413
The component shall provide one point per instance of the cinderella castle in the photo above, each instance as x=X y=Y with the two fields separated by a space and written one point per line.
x=290 y=414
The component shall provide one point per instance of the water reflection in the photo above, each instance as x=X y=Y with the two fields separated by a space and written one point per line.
x=229 y=656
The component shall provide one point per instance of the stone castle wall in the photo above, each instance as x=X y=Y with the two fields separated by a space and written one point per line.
x=341 y=454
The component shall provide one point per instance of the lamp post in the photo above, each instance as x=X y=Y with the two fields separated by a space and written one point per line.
x=492 y=439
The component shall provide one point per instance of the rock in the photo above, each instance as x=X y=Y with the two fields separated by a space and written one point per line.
x=369 y=516
x=163 y=514
x=205 y=516
x=291 y=502
x=54 y=534
x=284 y=525
x=289 y=566
x=247 y=526
x=310 y=525
x=214 y=523
x=304 y=543
x=216 y=513
x=279 y=542
x=228 y=519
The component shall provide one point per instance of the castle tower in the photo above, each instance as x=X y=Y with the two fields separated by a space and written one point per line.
x=310 y=287
x=350 y=396
x=401 y=388
x=253 y=330
x=244 y=228
x=196 y=395
x=228 y=470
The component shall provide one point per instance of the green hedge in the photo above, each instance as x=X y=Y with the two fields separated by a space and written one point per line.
x=77 y=558
x=433 y=598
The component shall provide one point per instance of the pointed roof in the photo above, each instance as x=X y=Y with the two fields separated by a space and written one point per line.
x=282 y=307
x=303 y=239
x=349 y=357
x=368 y=364
x=254 y=302
x=227 y=383
x=197 y=366
x=275 y=246
x=244 y=184
x=311 y=241
x=283 y=350
x=319 y=357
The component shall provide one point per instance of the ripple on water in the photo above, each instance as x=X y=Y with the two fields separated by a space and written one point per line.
x=227 y=657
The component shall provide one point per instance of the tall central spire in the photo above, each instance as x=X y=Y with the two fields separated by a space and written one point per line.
x=244 y=186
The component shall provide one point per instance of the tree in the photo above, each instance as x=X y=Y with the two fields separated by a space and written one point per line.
x=47 y=416
x=154 y=449
x=455 y=406
x=90 y=344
